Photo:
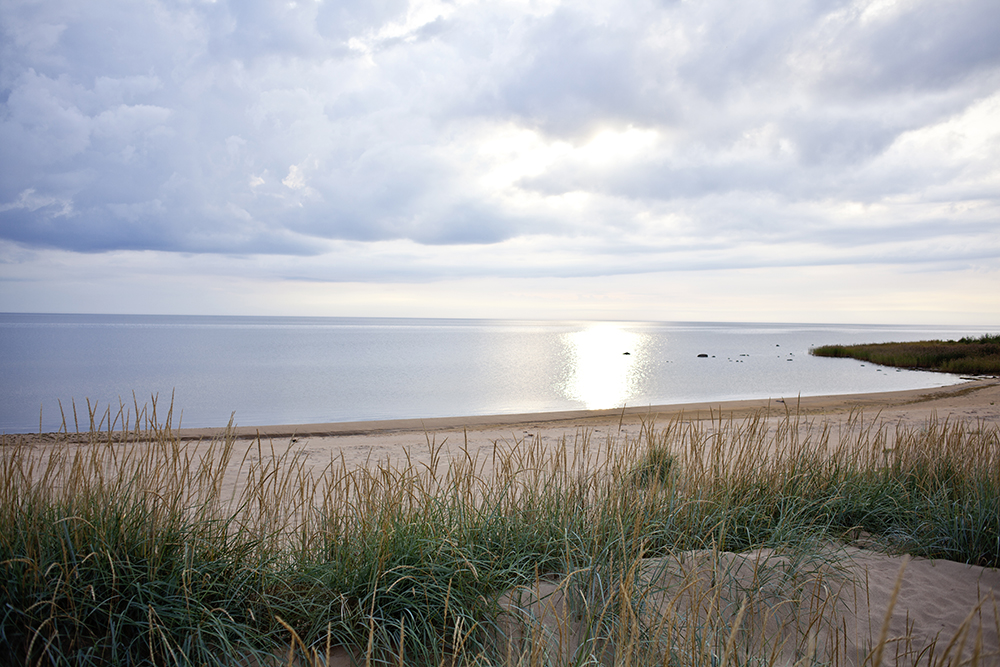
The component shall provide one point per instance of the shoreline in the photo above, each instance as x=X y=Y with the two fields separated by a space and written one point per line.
x=975 y=395
x=975 y=399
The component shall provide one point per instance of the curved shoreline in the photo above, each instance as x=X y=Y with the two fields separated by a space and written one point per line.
x=977 y=395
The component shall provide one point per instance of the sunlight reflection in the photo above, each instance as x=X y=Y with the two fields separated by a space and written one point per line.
x=601 y=374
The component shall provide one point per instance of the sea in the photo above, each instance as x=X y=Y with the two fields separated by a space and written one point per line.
x=57 y=370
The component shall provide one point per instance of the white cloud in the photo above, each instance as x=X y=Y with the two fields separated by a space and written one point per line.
x=28 y=200
x=295 y=179
x=431 y=140
x=923 y=293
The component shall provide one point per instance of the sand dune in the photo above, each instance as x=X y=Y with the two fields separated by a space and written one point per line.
x=829 y=606
x=942 y=612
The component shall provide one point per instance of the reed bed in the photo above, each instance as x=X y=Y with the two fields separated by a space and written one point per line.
x=971 y=356
x=132 y=547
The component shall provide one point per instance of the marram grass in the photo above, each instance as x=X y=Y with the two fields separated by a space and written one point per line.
x=135 y=548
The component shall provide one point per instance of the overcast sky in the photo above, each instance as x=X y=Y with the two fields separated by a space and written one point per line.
x=689 y=160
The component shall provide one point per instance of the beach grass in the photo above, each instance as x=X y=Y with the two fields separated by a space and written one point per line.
x=969 y=356
x=132 y=547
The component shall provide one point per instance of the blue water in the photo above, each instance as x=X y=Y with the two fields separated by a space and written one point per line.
x=274 y=370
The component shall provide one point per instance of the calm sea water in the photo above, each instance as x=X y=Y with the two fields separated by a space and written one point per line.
x=273 y=370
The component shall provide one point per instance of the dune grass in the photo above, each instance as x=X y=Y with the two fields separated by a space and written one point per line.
x=134 y=548
x=970 y=356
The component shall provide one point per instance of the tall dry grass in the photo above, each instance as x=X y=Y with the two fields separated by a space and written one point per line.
x=692 y=544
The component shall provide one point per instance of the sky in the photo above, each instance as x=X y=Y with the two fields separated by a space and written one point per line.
x=706 y=160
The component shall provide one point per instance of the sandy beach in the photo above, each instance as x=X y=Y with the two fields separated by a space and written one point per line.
x=933 y=603
x=976 y=400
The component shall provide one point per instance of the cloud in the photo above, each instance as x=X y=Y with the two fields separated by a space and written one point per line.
x=161 y=282
x=503 y=138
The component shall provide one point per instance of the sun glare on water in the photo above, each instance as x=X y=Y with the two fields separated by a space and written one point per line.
x=601 y=374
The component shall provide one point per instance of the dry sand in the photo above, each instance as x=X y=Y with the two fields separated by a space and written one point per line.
x=832 y=609
x=396 y=440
